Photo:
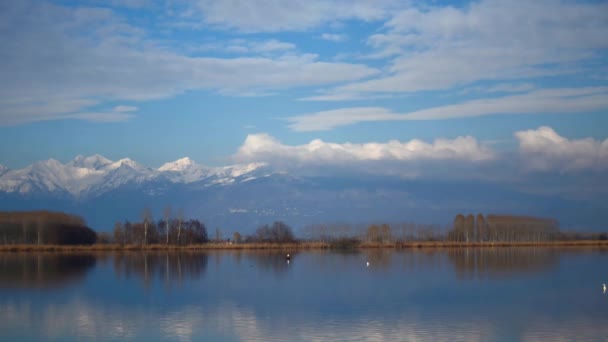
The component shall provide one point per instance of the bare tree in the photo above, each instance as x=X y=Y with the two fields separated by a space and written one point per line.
x=469 y=224
x=167 y=214
x=180 y=218
x=458 y=227
x=236 y=237
x=119 y=236
x=218 y=235
x=373 y=233
x=480 y=223
x=147 y=218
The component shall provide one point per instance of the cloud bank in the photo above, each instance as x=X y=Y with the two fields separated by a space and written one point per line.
x=545 y=150
x=263 y=147
x=539 y=150
x=545 y=101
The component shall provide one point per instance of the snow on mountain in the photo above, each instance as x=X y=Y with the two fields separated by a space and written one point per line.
x=178 y=165
x=3 y=169
x=94 y=175
x=95 y=162
x=185 y=170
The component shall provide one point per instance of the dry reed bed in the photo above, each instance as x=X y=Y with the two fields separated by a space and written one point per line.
x=296 y=246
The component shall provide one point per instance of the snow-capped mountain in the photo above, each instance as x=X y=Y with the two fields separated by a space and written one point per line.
x=186 y=171
x=241 y=197
x=95 y=175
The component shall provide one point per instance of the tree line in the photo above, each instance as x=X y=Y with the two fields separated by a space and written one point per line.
x=44 y=227
x=180 y=231
x=503 y=228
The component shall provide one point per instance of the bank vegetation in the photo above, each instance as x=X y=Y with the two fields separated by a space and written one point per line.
x=54 y=231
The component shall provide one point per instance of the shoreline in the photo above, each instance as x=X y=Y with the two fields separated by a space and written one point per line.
x=298 y=246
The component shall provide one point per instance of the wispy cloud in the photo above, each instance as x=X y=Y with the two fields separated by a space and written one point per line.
x=97 y=55
x=124 y=109
x=567 y=100
x=243 y=46
x=440 y=47
x=294 y=15
x=334 y=37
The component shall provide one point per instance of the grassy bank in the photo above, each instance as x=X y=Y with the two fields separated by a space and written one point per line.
x=297 y=246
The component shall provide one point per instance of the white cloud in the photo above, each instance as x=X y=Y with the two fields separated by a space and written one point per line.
x=326 y=120
x=510 y=88
x=272 y=45
x=62 y=61
x=333 y=37
x=443 y=47
x=500 y=88
x=545 y=150
x=293 y=15
x=264 y=148
x=247 y=47
x=123 y=109
x=566 y=100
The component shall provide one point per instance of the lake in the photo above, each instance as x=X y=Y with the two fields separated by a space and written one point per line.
x=483 y=294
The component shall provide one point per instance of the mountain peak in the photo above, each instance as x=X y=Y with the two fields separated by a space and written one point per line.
x=126 y=162
x=178 y=165
x=95 y=162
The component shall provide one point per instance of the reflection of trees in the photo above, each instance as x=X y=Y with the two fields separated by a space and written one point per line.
x=379 y=258
x=491 y=262
x=43 y=270
x=160 y=265
x=271 y=260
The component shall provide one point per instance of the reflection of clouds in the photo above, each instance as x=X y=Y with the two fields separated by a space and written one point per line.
x=578 y=330
x=77 y=318
x=270 y=310
x=181 y=324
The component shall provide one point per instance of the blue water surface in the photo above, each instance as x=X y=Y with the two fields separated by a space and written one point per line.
x=490 y=294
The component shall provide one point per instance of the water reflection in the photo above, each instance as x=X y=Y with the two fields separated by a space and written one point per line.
x=226 y=322
x=232 y=322
x=27 y=270
x=271 y=261
x=502 y=262
x=439 y=295
x=165 y=266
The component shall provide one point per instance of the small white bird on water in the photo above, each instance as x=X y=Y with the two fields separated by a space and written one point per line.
x=604 y=286
x=368 y=266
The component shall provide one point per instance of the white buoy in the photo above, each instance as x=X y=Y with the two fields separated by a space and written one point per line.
x=368 y=266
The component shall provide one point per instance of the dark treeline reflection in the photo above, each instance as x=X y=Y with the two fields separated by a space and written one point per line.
x=272 y=261
x=43 y=270
x=164 y=266
x=493 y=262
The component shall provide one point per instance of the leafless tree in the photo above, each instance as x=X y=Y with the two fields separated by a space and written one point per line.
x=469 y=225
x=167 y=214
x=147 y=218
x=180 y=218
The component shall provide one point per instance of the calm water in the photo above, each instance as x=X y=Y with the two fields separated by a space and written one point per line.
x=508 y=294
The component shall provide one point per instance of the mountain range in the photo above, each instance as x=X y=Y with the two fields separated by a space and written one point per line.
x=241 y=197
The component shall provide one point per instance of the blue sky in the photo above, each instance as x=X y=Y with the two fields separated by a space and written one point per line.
x=230 y=81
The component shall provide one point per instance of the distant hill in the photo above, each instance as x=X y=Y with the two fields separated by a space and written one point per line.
x=241 y=197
